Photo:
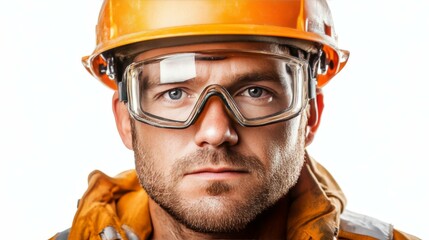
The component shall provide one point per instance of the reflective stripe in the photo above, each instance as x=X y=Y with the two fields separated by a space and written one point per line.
x=129 y=232
x=360 y=224
x=110 y=233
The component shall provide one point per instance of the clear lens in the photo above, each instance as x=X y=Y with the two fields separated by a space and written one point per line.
x=257 y=87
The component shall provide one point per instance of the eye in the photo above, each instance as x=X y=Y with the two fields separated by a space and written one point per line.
x=254 y=92
x=168 y=99
x=174 y=94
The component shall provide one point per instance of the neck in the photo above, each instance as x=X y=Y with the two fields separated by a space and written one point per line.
x=271 y=224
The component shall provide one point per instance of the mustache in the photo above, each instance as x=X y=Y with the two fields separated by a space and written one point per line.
x=204 y=157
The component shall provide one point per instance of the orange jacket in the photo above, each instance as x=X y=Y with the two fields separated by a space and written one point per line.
x=119 y=206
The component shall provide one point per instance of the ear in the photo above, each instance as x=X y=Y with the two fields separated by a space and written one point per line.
x=314 y=116
x=122 y=118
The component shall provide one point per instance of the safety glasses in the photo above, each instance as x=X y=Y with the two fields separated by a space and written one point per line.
x=256 y=87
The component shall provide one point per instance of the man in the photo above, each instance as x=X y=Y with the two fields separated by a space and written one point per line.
x=218 y=100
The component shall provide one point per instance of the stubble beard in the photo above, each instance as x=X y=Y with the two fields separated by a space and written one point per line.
x=216 y=213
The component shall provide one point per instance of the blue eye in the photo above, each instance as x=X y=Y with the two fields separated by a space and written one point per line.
x=175 y=94
x=255 y=92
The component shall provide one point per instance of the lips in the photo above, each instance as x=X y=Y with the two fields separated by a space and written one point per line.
x=217 y=170
x=216 y=173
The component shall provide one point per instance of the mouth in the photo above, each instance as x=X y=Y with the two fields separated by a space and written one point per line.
x=218 y=173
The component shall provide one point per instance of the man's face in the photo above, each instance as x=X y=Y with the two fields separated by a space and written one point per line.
x=217 y=176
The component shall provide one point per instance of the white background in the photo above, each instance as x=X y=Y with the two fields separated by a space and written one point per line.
x=56 y=123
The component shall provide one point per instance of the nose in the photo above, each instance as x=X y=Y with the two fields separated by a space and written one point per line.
x=214 y=126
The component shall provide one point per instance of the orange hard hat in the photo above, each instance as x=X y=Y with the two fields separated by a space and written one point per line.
x=125 y=22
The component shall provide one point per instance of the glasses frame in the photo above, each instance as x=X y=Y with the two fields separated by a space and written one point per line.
x=299 y=102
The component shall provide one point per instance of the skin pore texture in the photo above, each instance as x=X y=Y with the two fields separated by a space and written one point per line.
x=215 y=179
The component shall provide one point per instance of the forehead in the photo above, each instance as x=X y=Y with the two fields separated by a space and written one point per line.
x=258 y=46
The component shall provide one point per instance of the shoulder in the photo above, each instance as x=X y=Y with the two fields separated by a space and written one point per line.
x=358 y=226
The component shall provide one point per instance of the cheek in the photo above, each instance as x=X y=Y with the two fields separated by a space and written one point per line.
x=276 y=141
x=165 y=145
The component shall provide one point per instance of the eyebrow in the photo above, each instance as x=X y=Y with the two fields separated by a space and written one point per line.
x=254 y=77
x=257 y=76
x=234 y=80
